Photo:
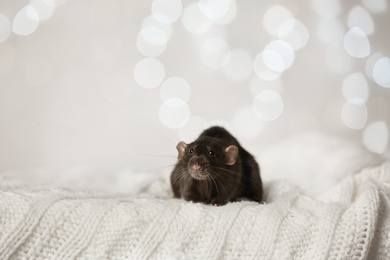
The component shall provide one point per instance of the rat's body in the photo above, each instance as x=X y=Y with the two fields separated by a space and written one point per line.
x=215 y=169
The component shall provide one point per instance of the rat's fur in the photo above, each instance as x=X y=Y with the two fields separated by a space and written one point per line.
x=217 y=177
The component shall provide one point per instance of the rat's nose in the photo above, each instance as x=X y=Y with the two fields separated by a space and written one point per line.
x=197 y=167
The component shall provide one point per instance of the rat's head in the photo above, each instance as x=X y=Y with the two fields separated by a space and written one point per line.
x=203 y=157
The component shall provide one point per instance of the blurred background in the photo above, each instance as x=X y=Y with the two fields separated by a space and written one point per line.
x=114 y=83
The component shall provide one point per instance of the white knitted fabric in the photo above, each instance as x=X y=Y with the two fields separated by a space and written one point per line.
x=351 y=221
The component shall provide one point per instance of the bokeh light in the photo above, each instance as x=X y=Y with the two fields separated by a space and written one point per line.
x=149 y=73
x=359 y=17
x=278 y=56
x=215 y=53
x=26 y=21
x=229 y=16
x=376 y=137
x=355 y=86
x=375 y=6
x=381 y=72
x=175 y=87
x=239 y=66
x=329 y=8
x=354 y=113
x=214 y=9
x=5 y=28
x=294 y=32
x=356 y=43
x=268 y=105
x=55 y=3
x=174 y=113
x=151 y=41
x=262 y=71
x=194 y=21
x=166 y=11
x=150 y=21
x=275 y=17
x=43 y=7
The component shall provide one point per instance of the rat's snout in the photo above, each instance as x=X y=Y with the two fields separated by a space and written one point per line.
x=197 y=167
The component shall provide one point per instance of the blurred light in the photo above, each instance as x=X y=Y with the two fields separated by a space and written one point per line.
x=278 y=56
x=358 y=17
x=370 y=63
x=5 y=28
x=381 y=72
x=356 y=43
x=150 y=21
x=268 y=105
x=149 y=73
x=215 y=53
x=294 y=32
x=38 y=71
x=43 y=8
x=26 y=21
x=375 y=6
x=376 y=136
x=175 y=87
x=55 y=3
x=7 y=54
x=174 y=113
x=214 y=9
x=194 y=21
x=192 y=129
x=229 y=16
x=338 y=61
x=355 y=86
x=166 y=11
x=275 y=17
x=262 y=71
x=328 y=8
x=330 y=31
x=239 y=66
x=151 y=41
x=354 y=113
x=246 y=123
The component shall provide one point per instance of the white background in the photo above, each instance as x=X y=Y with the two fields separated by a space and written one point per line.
x=108 y=84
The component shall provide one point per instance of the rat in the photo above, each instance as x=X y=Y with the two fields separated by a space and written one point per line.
x=215 y=169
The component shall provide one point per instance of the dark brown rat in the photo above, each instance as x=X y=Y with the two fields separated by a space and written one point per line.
x=215 y=169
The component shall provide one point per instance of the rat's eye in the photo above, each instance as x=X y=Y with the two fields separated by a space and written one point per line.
x=211 y=152
x=191 y=150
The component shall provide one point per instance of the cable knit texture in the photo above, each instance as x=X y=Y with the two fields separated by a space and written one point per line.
x=351 y=221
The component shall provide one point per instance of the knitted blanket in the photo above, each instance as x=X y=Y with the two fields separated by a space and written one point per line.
x=350 y=221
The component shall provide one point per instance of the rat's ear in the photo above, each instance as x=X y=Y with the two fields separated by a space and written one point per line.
x=231 y=153
x=181 y=148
